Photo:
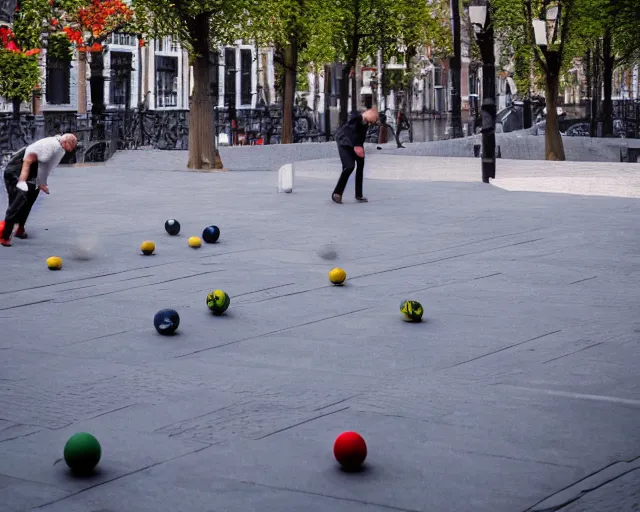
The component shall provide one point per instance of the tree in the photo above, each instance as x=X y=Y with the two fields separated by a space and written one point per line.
x=514 y=19
x=612 y=24
x=87 y=25
x=18 y=56
x=197 y=25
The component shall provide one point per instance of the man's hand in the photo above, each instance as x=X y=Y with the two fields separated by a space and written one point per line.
x=44 y=188
x=359 y=150
x=22 y=185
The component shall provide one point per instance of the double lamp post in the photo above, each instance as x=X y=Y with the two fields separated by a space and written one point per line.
x=480 y=17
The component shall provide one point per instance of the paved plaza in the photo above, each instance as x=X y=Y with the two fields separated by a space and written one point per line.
x=519 y=392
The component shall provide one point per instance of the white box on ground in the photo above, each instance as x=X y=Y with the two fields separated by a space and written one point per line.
x=285 y=178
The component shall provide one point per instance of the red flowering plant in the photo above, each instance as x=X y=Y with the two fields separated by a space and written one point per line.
x=88 y=24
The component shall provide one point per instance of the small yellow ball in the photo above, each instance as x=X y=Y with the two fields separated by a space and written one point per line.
x=54 y=263
x=195 y=242
x=147 y=247
x=337 y=276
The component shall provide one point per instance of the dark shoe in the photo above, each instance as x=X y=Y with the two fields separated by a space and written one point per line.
x=337 y=198
x=362 y=199
x=21 y=233
x=6 y=243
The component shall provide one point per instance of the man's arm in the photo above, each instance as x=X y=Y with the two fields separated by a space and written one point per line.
x=29 y=159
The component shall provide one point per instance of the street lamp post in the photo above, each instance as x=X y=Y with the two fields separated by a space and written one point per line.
x=480 y=16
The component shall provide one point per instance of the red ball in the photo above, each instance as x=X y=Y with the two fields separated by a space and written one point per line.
x=350 y=450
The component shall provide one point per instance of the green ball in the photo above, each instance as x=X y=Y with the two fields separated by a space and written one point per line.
x=218 y=302
x=82 y=452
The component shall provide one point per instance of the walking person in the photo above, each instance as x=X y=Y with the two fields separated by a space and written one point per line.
x=25 y=175
x=350 y=138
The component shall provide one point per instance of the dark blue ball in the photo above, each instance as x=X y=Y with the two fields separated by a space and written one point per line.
x=172 y=226
x=211 y=234
x=166 y=321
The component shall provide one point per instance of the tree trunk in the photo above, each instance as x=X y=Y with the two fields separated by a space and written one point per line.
x=290 y=75
x=456 y=65
x=344 y=95
x=16 y=108
x=327 y=102
x=595 y=92
x=202 y=151
x=82 y=83
x=554 y=148
x=607 y=82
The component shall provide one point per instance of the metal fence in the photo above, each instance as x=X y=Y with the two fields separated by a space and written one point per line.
x=99 y=138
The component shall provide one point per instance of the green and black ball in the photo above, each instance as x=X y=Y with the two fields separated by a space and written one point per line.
x=411 y=310
x=218 y=302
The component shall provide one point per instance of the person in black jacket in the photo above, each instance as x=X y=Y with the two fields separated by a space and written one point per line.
x=350 y=138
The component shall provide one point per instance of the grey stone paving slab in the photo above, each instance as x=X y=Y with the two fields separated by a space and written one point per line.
x=521 y=381
x=401 y=454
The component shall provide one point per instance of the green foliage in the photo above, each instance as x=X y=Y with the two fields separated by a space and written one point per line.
x=29 y=24
x=20 y=74
x=59 y=47
x=178 y=19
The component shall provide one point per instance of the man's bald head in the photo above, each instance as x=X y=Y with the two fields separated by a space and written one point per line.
x=370 y=115
x=69 y=142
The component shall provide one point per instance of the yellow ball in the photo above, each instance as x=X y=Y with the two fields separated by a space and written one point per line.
x=337 y=276
x=147 y=247
x=54 y=263
x=194 y=242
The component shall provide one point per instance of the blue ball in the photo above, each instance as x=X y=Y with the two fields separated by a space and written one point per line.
x=211 y=234
x=166 y=321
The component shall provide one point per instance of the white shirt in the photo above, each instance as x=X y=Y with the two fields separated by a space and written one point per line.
x=49 y=152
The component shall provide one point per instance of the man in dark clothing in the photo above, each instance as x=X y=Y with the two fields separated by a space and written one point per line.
x=350 y=138
x=25 y=175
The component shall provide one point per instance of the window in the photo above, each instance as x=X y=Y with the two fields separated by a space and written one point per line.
x=230 y=76
x=120 y=83
x=123 y=39
x=214 y=78
x=245 y=77
x=437 y=76
x=58 y=76
x=166 y=81
x=166 y=44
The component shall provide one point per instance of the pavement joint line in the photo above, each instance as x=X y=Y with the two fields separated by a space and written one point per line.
x=99 y=484
x=338 y=402
x=187 y=420
x=138 y=286
x=590 y=475
x=519 y=459
x=261 y=290
x=477 y=241
x=27 y=304
x=310 y=493
x=583 y=280
x=270 y=333
x=579 y=396
x=453 y=281
x=582 y=494
x=98 y=337
x=86 y=278
x=301 y=423
x=446 y=258
x=502 y=349
x=574 y=352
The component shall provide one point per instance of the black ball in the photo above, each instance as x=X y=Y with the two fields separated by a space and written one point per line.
x=211 y=234
x=166 y=321
x=172 y=226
